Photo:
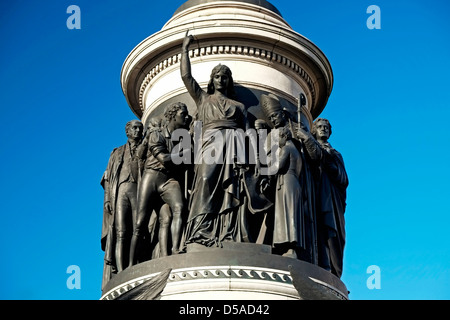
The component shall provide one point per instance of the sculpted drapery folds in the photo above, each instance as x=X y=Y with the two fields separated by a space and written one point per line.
x=293 y=214
x=288 y=220
x=331 y=185
x=214 y=202
x=120 y=200
x=299 y=195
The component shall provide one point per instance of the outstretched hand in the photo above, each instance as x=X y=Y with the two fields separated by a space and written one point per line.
x=188 y=39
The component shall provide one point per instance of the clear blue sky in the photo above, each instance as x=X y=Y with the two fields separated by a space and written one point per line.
x=63 y=111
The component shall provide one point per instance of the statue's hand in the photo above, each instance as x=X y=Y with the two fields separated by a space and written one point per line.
x=108 y=207
x=188 y=39
x=301 y=134
x=260 y=124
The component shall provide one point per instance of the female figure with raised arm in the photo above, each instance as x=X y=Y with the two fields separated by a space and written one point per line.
x=214 y=202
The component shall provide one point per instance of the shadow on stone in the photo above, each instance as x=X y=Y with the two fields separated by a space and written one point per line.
x=309 y=289
x=148 y=290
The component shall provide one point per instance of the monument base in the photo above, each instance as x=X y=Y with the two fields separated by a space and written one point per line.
x=236 y=271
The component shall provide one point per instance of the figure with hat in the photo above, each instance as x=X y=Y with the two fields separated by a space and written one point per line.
x=293 y=212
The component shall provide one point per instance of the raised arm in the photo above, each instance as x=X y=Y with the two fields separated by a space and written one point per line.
x=191 y=85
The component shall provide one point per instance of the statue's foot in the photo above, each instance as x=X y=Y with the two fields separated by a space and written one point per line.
x=290 y=254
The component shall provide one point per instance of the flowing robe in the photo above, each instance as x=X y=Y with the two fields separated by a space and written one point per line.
x=306 y=229
x=215 y=196
x=288 y=212
x=110 y=183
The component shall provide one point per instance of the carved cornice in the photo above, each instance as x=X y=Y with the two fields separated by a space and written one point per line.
x=251 y=279
x=226 y=273
x=230 y=50
x=125 y=287
x=233 y=272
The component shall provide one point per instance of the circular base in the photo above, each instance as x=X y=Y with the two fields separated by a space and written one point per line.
x=238 y=271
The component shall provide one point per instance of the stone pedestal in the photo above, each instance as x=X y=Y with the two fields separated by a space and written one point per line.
x=238 y=271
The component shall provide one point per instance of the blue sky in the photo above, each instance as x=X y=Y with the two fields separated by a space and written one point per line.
x=63 y=112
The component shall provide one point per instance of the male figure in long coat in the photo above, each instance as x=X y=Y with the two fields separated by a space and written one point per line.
x=120 y=202
x=331 y=185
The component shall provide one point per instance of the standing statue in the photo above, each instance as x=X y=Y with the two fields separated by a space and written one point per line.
x=331 y=185
x=215 y=200
x=159 y=184
x=289 y=226
x=291 y=211
x=120 y=202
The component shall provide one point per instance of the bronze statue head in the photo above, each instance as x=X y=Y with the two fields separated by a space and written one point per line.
x=273 y=110
x=321 y=129
x=134 y=129
x=285 y=135
x=221 y=69
x=178 y=113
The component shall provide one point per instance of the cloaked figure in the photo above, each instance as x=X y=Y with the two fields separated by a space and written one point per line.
x=331 y=185
x=289 y=227
x=215 y=198
x=120 y=181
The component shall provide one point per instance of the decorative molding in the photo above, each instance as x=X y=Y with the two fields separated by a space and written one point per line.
x=254 y=11
x=226 y=273
x=253 y=52
x=231 y=272
x=127 y=286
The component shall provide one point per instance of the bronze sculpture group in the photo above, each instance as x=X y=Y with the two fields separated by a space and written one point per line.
x=154 y=207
